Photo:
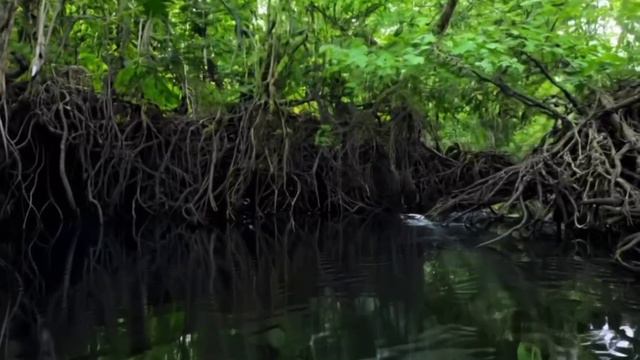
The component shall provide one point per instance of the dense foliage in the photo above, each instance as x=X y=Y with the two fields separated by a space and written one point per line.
x=325 y=56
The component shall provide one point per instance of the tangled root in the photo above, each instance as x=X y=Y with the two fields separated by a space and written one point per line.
x=71 y=151
x=584 y=175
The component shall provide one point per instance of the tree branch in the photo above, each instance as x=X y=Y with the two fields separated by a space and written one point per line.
x=523 y=98
x=445 y=17
x=508 y=90
x=545 y=72
x=622 y=104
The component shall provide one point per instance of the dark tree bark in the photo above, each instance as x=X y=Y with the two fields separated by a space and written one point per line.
x=445 y=17
x=7 y=12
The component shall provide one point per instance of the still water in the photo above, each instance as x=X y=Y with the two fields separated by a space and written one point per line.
x=355 y=289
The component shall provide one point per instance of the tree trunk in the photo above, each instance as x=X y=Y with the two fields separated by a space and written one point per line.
x=445 y=17
x=7 y=13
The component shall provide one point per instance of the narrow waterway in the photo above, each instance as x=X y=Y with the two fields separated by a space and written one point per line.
x=354 y=289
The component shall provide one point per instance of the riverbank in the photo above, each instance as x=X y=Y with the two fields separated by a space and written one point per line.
x=70 y=151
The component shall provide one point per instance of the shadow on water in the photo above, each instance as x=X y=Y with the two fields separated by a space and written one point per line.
x=354 y=289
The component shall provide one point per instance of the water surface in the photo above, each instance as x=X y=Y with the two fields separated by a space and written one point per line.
x=354 y=289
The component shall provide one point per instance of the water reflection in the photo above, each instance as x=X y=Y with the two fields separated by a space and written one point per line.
x=348 y=290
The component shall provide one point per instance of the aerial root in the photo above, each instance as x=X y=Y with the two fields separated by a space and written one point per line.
x=584 y=176
x=111 y=158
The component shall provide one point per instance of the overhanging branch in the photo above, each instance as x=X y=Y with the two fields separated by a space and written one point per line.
x=547 y=74
x=523 y=98
x=507 y=90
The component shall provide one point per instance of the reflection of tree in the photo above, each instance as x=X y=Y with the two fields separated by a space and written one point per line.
x=339 y=290
x=494 y=295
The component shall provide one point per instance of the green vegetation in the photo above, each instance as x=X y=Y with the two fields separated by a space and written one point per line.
x=315 y=56
x=197 y=109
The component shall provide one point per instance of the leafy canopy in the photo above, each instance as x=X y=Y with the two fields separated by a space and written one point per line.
x=302 y=53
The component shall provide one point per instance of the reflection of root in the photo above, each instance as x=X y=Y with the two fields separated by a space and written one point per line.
x=9 y=304
x=585 y=176
x=579 y=244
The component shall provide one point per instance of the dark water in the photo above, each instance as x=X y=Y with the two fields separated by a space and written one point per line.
x=358 y=289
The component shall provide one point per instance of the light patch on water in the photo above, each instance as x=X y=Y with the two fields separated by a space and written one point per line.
x=615 y=343
x=416 y=220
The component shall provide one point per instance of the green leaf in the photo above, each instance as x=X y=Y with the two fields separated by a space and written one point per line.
x=127 y=79
x=464 y=48
x=96 y=67
x=486 y=65
x=530 y=2
x=612 y=58
x=425 y=39
x=156 y=90
x=327 y=48
x=413 y=59
x=357 y=56
x=156 y=8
